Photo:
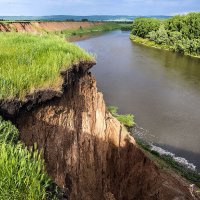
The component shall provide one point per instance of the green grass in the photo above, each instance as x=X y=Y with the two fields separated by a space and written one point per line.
x=8 y=132
x=127 y=119
x=30 y=62
x=167 y=162
x=22 y=173
x=107 y=26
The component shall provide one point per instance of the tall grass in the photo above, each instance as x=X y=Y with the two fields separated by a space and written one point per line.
x=22 y=175
x=29 y=62
x=8 y=132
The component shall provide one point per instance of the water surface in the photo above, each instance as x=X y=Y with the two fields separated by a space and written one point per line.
x=161 y=88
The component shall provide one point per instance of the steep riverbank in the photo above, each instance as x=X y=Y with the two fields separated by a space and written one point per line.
x=38 y=27
x=88 y=152
x=159 y=87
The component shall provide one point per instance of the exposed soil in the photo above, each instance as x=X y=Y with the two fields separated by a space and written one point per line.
x=89 y=153
x=37 y=27
x=11 y=108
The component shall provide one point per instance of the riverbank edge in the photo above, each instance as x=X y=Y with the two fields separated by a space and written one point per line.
x=104 y=27
x=10 y=108
x=148 y=43
x=167 y=163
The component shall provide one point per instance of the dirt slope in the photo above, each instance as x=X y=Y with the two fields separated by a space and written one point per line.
x=89 y=153
x=36 y=27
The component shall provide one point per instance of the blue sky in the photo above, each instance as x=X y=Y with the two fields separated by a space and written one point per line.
x=101 y=7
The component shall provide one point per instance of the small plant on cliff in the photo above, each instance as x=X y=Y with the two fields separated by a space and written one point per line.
x=22 y=174
x=127 y=119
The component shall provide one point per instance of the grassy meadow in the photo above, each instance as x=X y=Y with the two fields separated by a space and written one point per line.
x=29 y=62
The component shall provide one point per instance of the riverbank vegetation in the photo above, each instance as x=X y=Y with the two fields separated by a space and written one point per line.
x=180 y=33
x=105 y=26
x=168 y=162
x=22 y=174
x=127 y=119
x=31 y=62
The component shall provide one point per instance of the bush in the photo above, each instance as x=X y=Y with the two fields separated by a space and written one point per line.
x=142 y=26
x=127 y=120
x=160 y=36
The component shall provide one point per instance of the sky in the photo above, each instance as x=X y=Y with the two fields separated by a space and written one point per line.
x=97 y=7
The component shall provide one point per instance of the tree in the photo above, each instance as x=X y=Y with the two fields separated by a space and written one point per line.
x=142 y=26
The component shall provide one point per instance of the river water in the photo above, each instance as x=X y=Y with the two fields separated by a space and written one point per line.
x=161 y=89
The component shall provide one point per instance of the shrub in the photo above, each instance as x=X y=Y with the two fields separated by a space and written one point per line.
x=127 y=120
x=161 y=36
x=142 y=26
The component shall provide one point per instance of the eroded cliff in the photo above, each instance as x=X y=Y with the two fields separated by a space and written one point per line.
x=88 y=152
x=37 y=27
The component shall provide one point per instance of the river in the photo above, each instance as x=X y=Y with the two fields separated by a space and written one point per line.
x=161 y=89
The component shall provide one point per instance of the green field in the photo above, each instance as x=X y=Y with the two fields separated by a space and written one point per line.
x=30 y=62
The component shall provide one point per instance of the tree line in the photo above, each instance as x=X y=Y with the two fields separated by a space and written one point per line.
x=181 y=33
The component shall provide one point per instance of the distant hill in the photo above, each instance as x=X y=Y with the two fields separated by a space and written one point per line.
x=76 y=18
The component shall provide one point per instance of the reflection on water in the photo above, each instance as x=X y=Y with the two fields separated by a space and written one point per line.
x=161 y=88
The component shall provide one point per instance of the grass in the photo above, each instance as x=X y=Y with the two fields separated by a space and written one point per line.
x=22 y=174
x=127 y=119
x=167 y=162
x=30 y=62
x=106 y=26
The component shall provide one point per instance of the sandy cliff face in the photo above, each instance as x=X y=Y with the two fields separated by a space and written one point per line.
x=89 y=153
x=37 y=27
